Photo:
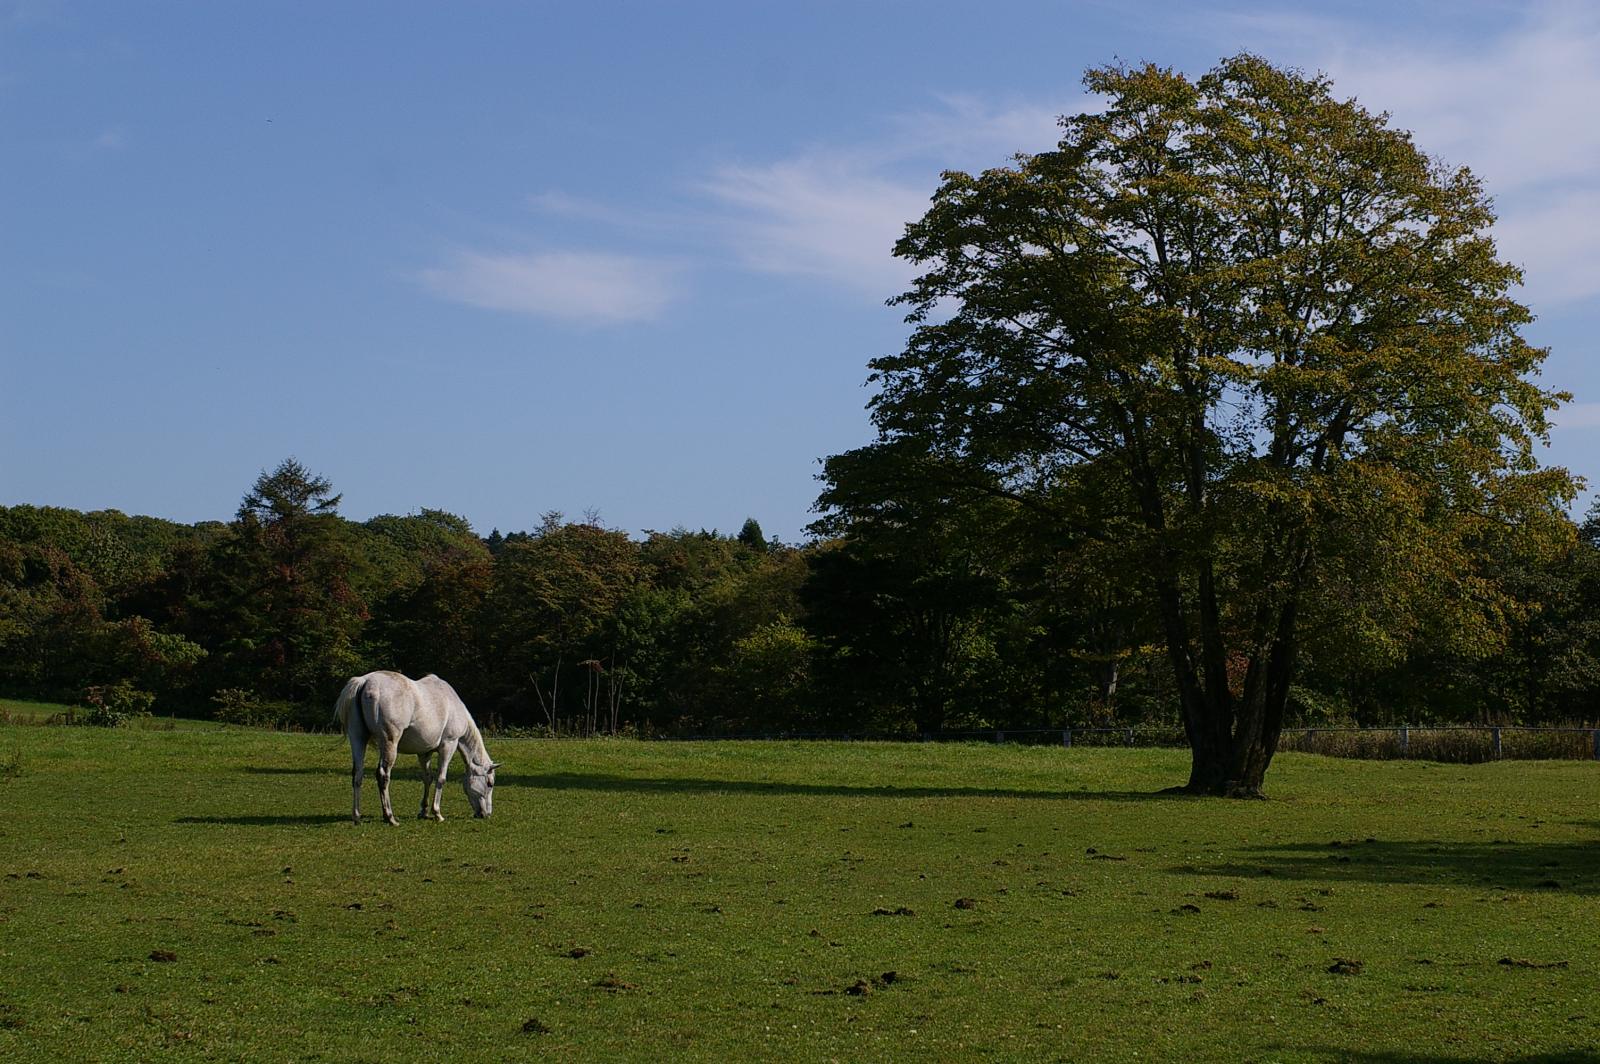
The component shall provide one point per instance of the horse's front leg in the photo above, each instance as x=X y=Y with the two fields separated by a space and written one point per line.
x=446 y=752
x=427 y=779
x=387 y=751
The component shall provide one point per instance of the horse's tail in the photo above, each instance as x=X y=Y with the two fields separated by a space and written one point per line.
x=349 y=699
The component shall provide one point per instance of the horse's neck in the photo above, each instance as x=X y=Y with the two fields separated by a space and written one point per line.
x=472 y=747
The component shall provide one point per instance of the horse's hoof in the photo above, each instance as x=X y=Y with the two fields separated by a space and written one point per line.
x=393 y=822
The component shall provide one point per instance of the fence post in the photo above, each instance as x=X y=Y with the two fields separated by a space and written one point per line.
x=1066 y=740
x=1594 y=733
x=999 y=736
x=1405 y=739
x=1130 y=736
x=1497 y=743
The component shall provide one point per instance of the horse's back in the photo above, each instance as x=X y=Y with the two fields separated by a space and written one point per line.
x=444 y=704
x=442 y=692
x=376 y=701
x=417 y=714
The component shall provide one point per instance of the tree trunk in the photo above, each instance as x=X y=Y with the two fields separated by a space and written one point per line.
x=1110 y=673
x=1232 y=761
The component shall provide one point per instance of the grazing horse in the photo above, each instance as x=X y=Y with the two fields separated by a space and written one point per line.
x=421 y=717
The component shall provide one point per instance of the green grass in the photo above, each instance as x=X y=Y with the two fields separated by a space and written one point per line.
x=22 y=711
x=637 y=901
x=16 y=709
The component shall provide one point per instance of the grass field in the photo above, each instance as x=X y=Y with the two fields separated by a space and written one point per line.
x=200 y=894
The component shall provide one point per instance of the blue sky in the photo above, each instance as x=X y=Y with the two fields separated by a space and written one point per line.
x=504 y=258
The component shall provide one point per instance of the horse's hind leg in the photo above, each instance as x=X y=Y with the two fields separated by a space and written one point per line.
x=387 y=751
x=358 y=757
x=427 y=778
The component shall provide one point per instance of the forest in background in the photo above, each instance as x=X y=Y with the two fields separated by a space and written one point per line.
x=959 y=613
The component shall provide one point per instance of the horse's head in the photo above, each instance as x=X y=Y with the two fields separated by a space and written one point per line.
x=479 y=785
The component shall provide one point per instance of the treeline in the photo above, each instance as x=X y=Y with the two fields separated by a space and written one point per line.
x=912 y=615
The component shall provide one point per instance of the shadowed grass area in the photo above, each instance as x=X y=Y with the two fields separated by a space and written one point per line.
x=1500 y=864
x=202 y=895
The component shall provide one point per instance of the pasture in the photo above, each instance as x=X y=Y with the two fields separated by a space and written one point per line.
x=199 y=894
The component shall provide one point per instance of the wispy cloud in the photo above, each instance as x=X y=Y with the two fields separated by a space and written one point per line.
x=819 y=215
x=968 y=131
x=1518 y=108
x=112 y=139
x=1556 y=238
x=1512 y=99
x=577 y=287
x=1577 y=416
x=1515 y=103
x=835 y=212
x=831 y=212
x=555 y=203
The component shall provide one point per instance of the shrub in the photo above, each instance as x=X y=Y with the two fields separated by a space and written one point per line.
x=111 y=705
x=236 y=705
x=1456 y=745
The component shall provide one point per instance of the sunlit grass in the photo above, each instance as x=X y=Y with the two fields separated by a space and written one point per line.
x=23 y=711
x=201 y=894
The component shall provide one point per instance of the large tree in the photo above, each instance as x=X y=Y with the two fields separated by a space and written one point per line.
x=1277 y=337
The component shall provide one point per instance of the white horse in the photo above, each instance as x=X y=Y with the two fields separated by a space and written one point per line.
x=421 y=717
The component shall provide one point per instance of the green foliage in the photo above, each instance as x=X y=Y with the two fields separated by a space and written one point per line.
x=288 y=494
x=233 y=705
x=549 y=608
x=1312 y=707
x=751 y=536
x=1276 y=337
x=115 y=704
x=931 y=601
x=428 y=578
x=282 y=597
x=906 y=599
x=771 y=670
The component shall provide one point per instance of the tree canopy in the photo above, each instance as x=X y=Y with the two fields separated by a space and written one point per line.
x=1253 y=331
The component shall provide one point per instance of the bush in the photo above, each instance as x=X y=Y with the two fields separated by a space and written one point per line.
x=235 y=705
x=1455 y=745
x=1312 y=708
x=111 y=705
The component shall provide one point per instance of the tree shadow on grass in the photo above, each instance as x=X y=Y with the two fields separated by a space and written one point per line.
x=300 y=819
x=1531 y=867
x=1570 y=1056
x=342 y=769
x=601 y=781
